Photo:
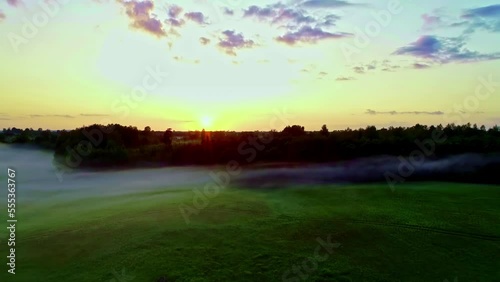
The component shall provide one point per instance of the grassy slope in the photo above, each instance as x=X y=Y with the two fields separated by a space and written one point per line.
x=421 y=232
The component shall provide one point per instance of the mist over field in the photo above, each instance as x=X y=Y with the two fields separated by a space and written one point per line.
x=37 y=172
x=273 y=214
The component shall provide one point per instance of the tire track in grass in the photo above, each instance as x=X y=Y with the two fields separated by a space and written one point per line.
x=428 y=229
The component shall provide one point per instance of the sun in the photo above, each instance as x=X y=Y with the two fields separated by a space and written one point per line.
x=206 y=121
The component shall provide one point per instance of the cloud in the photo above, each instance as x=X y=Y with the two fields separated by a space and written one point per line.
x=329 y=20
x=420 y=66
x=4 y=116
x=431 y=21
x=425 y=46
x=377 y=65
x=94 y=115
x=365 y=68
x=262 y=13
x=232 y=41
x=178 y=121
x=14 y=3
x=372 y=112
x=204 y=40
x=174 y=11
x=444 y=50
x=345 y=78
x=492 y=11
x=196 y=17
x=140 y=14
x=292 y=17
x=57 y=116
x=175 y=22
x=487 y=18
x=327 y=4
x=228 y=12
x=309 y=34
x=359 y=69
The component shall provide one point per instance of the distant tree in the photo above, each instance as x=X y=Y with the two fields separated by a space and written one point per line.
x=205 y=137
x=294 y=130
x=324 y=130
x=147 y=129
x=371 y=132
x=167 y=137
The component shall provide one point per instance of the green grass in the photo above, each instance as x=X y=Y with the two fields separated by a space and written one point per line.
x=421 y=232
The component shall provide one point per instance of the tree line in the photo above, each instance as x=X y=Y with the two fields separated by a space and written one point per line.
x=117 y=145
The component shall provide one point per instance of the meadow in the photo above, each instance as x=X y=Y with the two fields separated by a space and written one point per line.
x=428 y=231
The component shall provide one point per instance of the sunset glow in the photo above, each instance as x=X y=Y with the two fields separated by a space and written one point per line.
x=159 y=63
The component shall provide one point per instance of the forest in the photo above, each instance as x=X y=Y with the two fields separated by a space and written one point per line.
x=115 y=145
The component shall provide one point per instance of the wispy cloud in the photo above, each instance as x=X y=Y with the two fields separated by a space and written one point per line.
x=421 y=66
x=444 y=50
x=359 y=69
x=327 y=4
x=15 y=3
x=309 y=34
x=484 y=17
x=94 y=115
x=487 y=17
x=372 y=112
x=178 y=121
x=204 y=40
x=431 y=21
x=56 y=116
x=345 y=78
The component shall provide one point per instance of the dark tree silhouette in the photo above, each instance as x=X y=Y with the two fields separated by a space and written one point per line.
x=167 y=137
x=324 y=130
x=294 y=130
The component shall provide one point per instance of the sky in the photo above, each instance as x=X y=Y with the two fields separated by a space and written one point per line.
x=244 y=65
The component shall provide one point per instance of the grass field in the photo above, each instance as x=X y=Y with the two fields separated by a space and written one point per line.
x=420 y=232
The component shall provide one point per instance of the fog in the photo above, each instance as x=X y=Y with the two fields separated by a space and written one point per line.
x=38 y=177
x=37 y=172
